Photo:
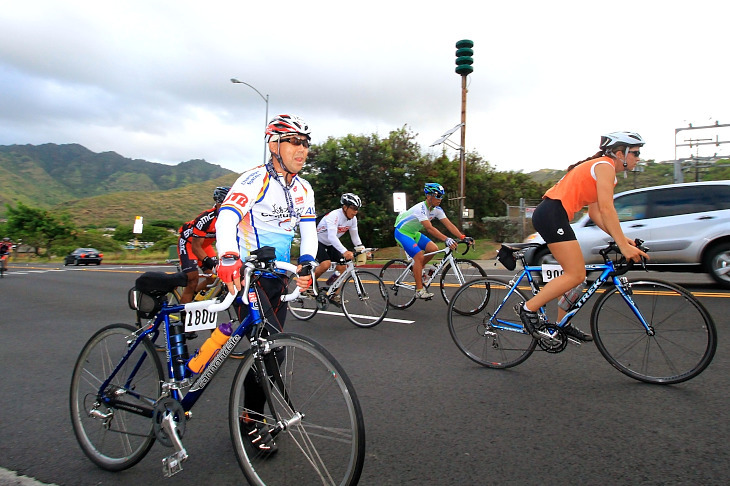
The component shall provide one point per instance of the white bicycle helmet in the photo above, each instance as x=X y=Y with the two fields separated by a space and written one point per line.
x=351 y=200
x=631 y=139
x=282 y=125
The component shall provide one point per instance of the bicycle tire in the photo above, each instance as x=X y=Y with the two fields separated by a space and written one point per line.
x=401 y=291
x=494 y=341
x=303 y=307
x=324 y=441
x=364 y=299
x=129 y=436
x=684 y=340
x=450 y=283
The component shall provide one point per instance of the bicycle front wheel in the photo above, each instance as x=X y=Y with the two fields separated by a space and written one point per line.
x=679 y=345
x=303 y=307
x=314 y=412
x=364 y=299
x=115 y=439
x=401 y=284
x=493 y=336
x=454 y=276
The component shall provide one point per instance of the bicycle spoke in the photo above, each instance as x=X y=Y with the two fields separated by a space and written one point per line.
x=320 y=435
x=679 y=344
x=492 y=335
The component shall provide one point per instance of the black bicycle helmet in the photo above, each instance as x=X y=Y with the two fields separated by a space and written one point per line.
x=220 y=193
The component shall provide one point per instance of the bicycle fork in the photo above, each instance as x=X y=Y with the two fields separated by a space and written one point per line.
x=270 y=377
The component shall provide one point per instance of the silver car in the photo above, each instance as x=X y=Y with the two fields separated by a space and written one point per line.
x=686 y=227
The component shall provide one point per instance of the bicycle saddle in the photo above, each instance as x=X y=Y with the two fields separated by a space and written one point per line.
x=160 y=282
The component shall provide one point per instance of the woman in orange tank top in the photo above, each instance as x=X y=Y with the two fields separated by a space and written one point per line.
x=589 y=182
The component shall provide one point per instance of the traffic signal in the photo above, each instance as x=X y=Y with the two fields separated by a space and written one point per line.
x=464 y=60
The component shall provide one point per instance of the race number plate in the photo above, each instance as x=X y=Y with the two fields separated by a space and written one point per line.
x=551 y=271
x=200 y=320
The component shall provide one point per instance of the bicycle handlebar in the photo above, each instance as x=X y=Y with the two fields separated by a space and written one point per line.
x=211 y=305
x=357 y=252
x=622 y=265
x=468 y=241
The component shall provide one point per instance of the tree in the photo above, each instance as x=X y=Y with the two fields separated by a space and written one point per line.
x=375 y=168
x=38 y=228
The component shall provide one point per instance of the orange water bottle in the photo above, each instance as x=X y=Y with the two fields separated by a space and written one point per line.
x=210 y=347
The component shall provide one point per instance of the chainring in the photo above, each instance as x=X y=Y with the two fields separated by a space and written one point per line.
x=557 y=341
x=163 y=408
x=322 y=301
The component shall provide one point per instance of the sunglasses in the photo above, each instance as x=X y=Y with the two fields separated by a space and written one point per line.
x=437 y=195
x=635 y=153
x=296 y=141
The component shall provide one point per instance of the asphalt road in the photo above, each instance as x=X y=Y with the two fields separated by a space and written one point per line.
x=432 y=416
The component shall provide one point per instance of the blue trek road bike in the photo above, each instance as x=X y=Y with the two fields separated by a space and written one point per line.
x=650 y=330
x=121 y=400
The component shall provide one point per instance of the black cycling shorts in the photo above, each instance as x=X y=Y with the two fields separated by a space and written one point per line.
x=327 y=252
x=551 y=221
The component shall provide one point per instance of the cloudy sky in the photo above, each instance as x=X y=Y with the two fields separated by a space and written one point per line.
x=151 y=79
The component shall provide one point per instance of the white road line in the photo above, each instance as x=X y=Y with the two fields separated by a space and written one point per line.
x=387 y=319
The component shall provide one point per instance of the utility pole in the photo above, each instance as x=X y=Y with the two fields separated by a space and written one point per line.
x=695 y=143
x=464 y=61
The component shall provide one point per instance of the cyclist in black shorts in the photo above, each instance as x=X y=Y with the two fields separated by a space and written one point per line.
x=589 y=182
x=329 y=231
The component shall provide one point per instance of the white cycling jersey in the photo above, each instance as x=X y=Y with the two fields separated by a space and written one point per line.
x=260 y=211
x=333 y=225
x=409 y=222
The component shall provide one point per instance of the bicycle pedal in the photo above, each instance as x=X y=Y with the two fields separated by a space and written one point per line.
x=172 y=464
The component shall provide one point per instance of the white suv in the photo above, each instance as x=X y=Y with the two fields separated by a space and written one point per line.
x=685 y=226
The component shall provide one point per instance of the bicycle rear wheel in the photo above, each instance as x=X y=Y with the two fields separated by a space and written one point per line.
x=682 y=341
x=401 y=285
x=492 y=336
x=303 y=307
x=320 y=435
x=112 y=438
x=450 y=281
x=364 y=299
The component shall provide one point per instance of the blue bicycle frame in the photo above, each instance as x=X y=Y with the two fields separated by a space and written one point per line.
x=607 y=270
x=201 y=379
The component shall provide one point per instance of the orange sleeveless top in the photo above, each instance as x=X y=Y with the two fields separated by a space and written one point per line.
x=577 y=189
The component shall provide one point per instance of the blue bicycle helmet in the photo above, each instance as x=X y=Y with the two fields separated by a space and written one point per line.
x=434 y=189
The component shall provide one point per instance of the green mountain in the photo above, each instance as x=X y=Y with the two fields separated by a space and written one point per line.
x=179 y=204
x=59 y=176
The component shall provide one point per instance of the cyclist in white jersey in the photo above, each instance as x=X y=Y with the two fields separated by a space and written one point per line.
x=262 y=209
x=408 y=226
x=329 y=231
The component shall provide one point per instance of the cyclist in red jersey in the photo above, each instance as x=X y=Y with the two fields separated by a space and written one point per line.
x=589 y=182
x=5 y=246
x=195 y=246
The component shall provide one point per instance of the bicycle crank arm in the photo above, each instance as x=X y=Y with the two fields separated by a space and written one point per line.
x=172 y=464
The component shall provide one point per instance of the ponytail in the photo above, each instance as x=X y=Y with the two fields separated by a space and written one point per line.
x=595 y=156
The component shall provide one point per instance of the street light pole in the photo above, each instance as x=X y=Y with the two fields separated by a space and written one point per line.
x=266 y=100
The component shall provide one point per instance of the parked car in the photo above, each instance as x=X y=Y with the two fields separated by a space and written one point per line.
x=686 y=227
x=86 y=256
